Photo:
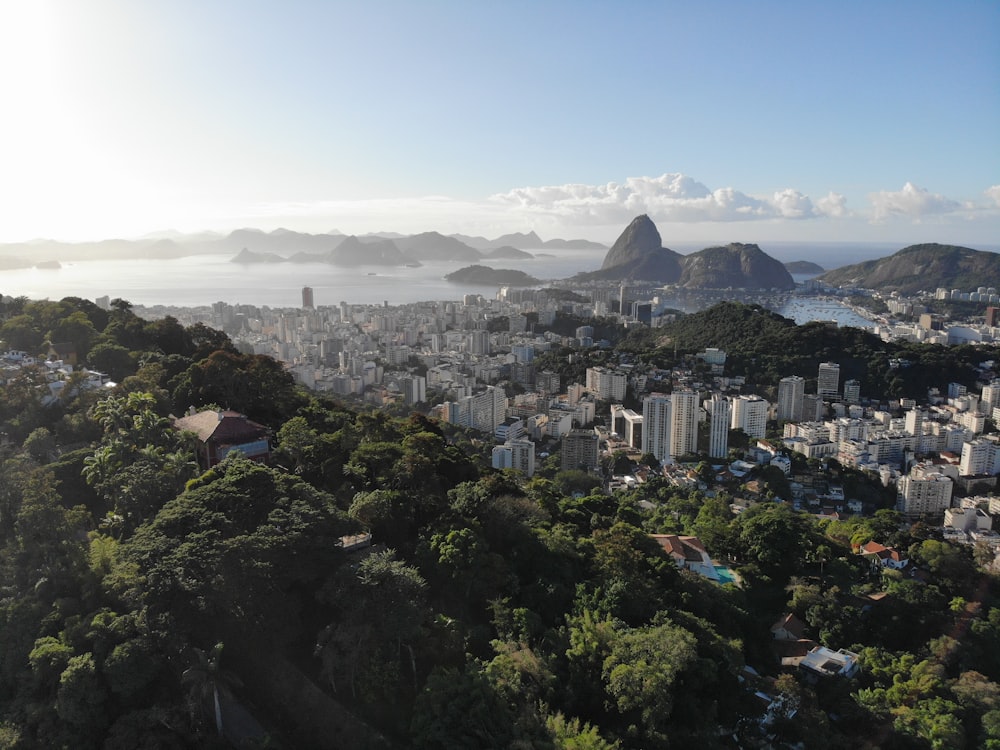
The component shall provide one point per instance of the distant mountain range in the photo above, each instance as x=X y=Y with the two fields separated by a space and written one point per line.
x=256 y=246
x=922 y=267
x=638 y=254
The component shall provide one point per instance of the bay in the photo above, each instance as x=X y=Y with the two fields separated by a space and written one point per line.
x=806 y=309
x=201 y=280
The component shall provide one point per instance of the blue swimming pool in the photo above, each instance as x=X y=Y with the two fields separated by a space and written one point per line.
x=725 y=574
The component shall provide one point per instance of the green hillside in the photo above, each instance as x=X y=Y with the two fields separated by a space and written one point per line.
x=922 y=267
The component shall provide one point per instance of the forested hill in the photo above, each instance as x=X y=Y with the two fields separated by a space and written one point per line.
x=149 y=602
x=764 y=347
x=922 y=267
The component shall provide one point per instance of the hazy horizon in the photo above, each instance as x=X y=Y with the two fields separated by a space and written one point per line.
x=763 y=122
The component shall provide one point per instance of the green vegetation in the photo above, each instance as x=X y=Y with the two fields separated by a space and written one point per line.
x=143 y=601
x=922 y=267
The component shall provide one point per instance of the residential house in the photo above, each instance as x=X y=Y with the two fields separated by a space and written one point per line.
x=689 y=553
x=221 y=432
x=883 y=557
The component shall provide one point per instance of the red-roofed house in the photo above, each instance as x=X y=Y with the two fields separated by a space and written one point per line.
x=688 y=552
x=883 y=556
x=221 y=432
x=788 y=628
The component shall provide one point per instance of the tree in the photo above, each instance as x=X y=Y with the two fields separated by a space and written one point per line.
x=641 y=672
x=460 y=709
x=206 y=678
x=40 y=444
x=381 y=609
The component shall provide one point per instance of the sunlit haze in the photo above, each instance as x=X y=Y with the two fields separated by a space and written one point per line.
x=724 y=121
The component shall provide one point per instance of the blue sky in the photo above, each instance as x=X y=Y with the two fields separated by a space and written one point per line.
x=725 y=121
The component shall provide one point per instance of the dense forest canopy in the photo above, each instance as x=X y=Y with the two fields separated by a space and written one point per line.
x=148 y=602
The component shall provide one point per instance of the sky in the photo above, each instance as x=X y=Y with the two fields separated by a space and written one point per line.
x=724 y=121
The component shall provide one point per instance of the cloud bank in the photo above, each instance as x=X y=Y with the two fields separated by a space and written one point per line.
x=912 y=201
x=668 y=198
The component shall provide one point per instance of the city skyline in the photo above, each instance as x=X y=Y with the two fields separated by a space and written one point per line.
x=724 y=122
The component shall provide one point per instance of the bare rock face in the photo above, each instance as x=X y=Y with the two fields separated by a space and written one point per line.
x=736 y=266
x=639 y=240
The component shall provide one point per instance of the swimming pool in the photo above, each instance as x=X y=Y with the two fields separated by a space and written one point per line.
x=725 y=574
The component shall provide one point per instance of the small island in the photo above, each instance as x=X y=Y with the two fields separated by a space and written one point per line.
x=248 y=256
x=486 y=275
x=803 y=267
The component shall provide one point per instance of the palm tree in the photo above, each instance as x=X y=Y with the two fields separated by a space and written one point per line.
x=207 y=678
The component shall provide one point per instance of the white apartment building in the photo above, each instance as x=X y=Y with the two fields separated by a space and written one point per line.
x=656 y=410
x=926 y=489
x=977 y=458
x=749 y=413
x=683 y=422
x=606 y=384
x=515 y=454
x=718 y=434
x=790 y=392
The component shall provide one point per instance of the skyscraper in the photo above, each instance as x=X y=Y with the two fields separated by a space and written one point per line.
x=307 y=298
x=656 y=425
x=790 y=393
x=828 y=380
x=718 y=434
x=683 y=422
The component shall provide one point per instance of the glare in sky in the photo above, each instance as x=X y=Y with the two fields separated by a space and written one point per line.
x=723 y=121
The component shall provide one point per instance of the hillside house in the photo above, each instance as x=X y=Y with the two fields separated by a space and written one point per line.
x=689 y=553
x=221 y=432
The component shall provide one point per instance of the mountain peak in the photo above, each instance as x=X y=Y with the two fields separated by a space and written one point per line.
x=639 y=240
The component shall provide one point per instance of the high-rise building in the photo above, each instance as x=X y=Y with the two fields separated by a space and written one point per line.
x=414 y=388
x=914 y=422
x=852 y=391
x=307 y=298
x=606 y=384
x=990 y=398
x=790 y=393
x=515 y=454
x=718 y=433
x=750 y=415
x=656 y=425
x=992 y=316
x=683 y=422
x=977 y=458
x=926 y=489
x=547 y=382
x=828 y=380
x=813 y=408
x=580 y=450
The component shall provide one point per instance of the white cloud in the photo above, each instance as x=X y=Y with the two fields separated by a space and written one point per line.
x=792 y=204
x=993 y=193
x=911 y=201
x=669 y=198
x=834 y=205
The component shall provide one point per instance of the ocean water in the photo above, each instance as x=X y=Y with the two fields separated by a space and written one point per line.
x=201 y=280
x=804 y=309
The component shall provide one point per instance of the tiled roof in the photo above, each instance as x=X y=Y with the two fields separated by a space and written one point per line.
x=223 y=426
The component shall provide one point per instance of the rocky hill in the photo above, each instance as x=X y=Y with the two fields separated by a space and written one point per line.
x=354 y=252
x=435 y=246
x=922 y=267
x=487 y=276
x=804 y=267
x=639 y=254
x=736 y=266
